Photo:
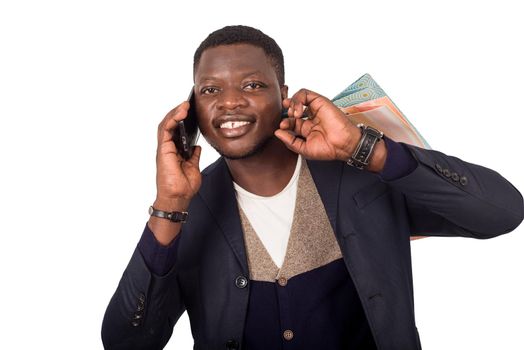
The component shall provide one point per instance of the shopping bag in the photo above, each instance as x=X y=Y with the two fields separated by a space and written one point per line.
x=365 y=102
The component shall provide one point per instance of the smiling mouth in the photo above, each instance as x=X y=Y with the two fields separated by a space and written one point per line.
x=233 y=124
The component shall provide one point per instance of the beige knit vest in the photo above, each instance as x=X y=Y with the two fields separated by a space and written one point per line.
x=311 y=244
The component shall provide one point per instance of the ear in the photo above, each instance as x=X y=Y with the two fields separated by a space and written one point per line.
x=283 y=91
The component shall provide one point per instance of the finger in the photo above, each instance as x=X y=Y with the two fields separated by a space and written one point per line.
x=290 y=124
x=191 y=166
x=168 y=124
x=293 y=108
x=287 y=123
x=300 y=127
x=195 y=158
x=296 y=109
x=303 y=127
x=175 y=115
x=166 y=148
x=291 y=140
x=307 y=98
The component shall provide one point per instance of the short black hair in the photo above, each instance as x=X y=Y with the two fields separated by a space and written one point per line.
x=244 y=35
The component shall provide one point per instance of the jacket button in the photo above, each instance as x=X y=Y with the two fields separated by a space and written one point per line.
x=241 y=282
x=446 y=172
x=231 y=344
x=141 y=298
x=282 y=281
x=288 y=334
x=439 y=167
x=463 y=181
x=455 y=177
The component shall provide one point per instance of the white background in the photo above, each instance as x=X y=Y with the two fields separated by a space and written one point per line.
x=84 y=84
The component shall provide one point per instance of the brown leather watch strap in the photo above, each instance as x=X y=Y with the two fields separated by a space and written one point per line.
x=174 y=216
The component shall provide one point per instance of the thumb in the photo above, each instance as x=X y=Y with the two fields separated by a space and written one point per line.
x=195 y=158
x=291 y=140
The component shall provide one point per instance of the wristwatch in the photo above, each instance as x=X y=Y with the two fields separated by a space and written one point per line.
x=362 y=154
x=174 y=216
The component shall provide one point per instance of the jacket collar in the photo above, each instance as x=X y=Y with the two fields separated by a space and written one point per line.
x=327 y=176
x=218 y=193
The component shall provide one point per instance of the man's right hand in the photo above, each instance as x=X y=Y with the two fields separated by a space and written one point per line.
x=177 y=180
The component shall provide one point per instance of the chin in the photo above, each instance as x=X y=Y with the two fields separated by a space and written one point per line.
x=242 y=154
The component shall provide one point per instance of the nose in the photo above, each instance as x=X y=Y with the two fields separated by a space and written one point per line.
x=231 y=99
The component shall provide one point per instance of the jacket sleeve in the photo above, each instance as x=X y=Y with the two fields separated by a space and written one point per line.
x=143 y=310
x=446 y=196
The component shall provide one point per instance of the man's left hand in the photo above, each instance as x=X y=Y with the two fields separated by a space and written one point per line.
x=325 y=134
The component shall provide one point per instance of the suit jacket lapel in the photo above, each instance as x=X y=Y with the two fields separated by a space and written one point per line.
x=327 y=176
x=218 y=193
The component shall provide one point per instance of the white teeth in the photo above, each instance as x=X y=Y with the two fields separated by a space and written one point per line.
x=232 y=125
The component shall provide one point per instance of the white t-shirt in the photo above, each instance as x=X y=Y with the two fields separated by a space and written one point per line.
x=271 y=217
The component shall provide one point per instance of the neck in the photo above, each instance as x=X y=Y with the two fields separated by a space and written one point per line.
x=267 y=172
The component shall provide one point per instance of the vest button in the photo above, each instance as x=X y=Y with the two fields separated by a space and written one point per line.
x=282 y=281
x=288 y=334
x=241 y=282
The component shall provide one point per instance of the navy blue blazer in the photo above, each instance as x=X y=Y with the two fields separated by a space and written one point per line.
x=372 y=220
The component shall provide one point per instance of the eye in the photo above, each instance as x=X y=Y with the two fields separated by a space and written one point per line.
x=253 y=86
x=209 y=90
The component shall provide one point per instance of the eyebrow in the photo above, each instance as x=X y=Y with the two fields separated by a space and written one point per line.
x=253 y=73
x=244 y=75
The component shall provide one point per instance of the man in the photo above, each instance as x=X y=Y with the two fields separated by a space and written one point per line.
x=288 y=243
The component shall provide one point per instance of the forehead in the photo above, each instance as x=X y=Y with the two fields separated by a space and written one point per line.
x=230 y=61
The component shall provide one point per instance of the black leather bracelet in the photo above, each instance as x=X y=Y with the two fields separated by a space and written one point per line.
x=174 y=216
x=364 y=150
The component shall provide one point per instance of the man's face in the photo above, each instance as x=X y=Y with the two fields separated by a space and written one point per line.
x=238 y=99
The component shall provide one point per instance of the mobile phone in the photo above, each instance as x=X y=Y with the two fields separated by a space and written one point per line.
x=186 y=132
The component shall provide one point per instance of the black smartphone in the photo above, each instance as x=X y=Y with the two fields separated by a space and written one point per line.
x=186 y=132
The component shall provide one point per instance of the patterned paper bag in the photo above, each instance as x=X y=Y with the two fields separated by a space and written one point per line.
x=365 y=102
